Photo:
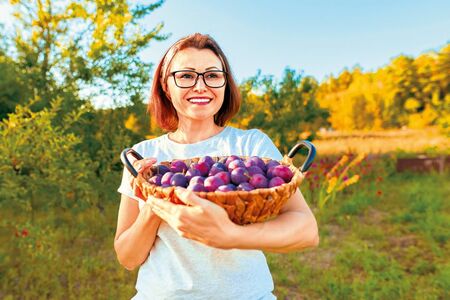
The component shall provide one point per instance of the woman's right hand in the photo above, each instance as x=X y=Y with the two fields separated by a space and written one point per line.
x=143 y=167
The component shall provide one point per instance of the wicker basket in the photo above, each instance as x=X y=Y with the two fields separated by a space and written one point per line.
x=243 y=207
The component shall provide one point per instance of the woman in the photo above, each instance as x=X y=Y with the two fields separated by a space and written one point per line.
x=194 y=251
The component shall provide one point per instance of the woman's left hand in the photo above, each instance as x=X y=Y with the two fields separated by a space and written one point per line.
x=200 y=220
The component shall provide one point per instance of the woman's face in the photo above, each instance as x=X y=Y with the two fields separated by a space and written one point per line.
x=200 y=102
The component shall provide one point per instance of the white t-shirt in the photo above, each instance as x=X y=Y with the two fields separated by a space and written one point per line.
x=180 y=268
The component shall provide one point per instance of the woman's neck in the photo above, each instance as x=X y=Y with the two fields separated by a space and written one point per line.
x=194 y=132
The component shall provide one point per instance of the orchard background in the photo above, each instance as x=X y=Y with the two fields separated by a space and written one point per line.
x=384 y=233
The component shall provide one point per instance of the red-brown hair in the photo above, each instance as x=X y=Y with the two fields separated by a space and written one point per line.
x=161 y=108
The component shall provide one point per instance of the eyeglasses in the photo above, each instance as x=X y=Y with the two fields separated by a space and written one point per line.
x=187 y=79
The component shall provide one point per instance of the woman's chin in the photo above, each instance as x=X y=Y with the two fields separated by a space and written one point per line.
x=201 y=116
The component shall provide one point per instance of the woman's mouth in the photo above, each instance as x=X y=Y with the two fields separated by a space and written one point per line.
x=200 y=101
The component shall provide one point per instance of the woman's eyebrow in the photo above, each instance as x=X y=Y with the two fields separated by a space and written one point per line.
x=189 y=68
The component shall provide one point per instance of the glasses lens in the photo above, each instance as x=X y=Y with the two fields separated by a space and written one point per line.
x=185 y=78
x=214 y=78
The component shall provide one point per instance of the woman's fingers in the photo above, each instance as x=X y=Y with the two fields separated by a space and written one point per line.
x=190 y=198
x=143 y=164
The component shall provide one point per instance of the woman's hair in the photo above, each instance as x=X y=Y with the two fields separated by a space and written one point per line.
x=161 y=108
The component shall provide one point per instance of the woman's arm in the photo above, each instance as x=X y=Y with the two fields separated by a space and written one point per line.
x=294 y=229
x=135 y=234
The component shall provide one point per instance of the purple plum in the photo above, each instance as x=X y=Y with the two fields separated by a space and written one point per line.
x=166 y=178
x=271 y=163
x=237 y=163
x=224 y=176
x=178 y=166
x=156 y=180
x=239 y=175
x=276 y=181
x=197 y=179
x=227 y=188
x=212 y=183
x=162 y=169
x=259 y=162
x=269 y=172
x=178 y=179
x=259 y=181
x=216 y=168
x=252 y=170
x=192 y=173
x=245 y=186
x=231 y=158
x=196 y=187
x=208 y=160
x=283 y=172
x=203 y=167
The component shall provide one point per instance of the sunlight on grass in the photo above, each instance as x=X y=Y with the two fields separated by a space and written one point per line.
x=429 y=141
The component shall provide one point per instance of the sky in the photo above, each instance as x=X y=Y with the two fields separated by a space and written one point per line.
x=317 y=38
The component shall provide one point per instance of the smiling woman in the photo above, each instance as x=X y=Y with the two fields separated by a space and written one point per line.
x=197 y=54
x=195 y=251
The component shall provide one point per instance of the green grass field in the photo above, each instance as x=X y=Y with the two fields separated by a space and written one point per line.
x=384 y=240
x=378 y=242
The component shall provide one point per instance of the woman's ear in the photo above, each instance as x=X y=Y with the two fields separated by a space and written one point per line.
x=168 y=96
x=166 y=92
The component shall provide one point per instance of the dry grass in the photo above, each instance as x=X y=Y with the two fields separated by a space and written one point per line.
x=418 y=141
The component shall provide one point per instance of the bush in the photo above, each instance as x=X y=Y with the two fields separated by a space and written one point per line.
x=39 y=166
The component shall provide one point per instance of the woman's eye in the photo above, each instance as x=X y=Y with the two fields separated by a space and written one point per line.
x=212 y=75
x=186 y=76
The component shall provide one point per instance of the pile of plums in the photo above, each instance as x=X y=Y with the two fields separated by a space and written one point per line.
x=231 y=173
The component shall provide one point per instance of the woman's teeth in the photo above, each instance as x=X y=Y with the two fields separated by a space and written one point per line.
x=199 y=100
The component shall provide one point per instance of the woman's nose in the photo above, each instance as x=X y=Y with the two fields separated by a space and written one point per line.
x=200 y=84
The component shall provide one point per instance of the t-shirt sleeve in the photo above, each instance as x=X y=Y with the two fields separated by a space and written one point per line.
x=264 y=147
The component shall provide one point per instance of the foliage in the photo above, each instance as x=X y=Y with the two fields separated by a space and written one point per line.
x=67 y=48
x=73 y=51
x=286 y=111
x=60 y=160
x=330 y=178
x=61 y=255
x=411 y=92
x=337 y=179
x=375 y=246
x=39 y=165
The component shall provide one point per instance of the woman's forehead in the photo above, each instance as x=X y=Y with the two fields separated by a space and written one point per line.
x=196 y=59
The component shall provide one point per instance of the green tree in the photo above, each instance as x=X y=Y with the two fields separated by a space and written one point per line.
x=80 y=49
x=73 y=51
x=40 y=166
x=287 y=111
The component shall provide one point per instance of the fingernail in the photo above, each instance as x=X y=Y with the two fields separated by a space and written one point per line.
x=179 y=190
x=138 y=167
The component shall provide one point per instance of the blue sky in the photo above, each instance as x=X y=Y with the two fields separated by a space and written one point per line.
x=316 y=37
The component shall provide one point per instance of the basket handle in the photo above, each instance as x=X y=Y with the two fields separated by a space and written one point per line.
x=309 y=158
x=126 y=162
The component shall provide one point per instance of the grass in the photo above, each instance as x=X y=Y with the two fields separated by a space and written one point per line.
x=392 y=246
x=389 y=246
x=380 y=239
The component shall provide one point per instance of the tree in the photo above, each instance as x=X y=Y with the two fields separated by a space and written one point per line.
x=287 y=111
x=409 y=91
x=66 y=49
x=73 y=51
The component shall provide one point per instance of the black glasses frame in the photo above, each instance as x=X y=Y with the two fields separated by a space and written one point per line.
x=196 y=79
